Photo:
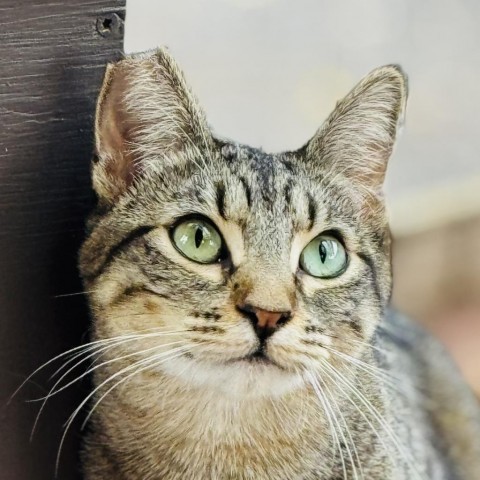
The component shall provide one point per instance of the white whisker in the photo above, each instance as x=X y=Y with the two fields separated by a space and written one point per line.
x=347 y=429
x=107 y=362
x=386 y=378
x=54 y=392
x=178 y=352
x=332 y=420
x=407 y=457
x=86 y=347
x=153 y=360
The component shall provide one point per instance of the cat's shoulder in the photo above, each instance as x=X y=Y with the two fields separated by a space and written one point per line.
x=415 y=354
x=438 y=399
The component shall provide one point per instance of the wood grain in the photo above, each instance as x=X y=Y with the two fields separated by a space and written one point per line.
x=53 y=54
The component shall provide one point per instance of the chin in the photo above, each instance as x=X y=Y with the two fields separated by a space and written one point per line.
x=245 y=378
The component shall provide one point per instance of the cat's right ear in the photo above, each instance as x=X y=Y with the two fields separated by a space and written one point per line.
x=145 y=115
x=357 y=139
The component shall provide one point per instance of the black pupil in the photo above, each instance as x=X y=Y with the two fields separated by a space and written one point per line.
x=323 y=252
x=198 y=237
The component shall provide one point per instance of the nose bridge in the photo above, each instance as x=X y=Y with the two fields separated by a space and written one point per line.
x=265 y=285
x=264 y=279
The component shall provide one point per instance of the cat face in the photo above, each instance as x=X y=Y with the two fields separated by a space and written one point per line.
x=225 y=266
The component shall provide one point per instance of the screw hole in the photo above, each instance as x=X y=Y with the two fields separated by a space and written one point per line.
x=111 y=25
x=107 y=23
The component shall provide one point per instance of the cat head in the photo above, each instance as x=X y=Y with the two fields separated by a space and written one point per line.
x=225 y=266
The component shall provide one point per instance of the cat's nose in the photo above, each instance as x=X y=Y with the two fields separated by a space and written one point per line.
x=264 y=322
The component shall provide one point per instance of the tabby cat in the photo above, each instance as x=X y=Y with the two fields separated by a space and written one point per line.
x=240 y=300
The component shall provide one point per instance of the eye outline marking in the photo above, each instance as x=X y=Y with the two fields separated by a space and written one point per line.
x=224 y=257
x=336 y=234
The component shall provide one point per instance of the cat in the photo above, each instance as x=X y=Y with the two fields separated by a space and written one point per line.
x=240 y=300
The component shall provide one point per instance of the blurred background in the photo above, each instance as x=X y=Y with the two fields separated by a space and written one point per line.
x=269 y=71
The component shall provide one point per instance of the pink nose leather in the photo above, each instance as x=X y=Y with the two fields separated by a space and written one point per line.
x=267 y=319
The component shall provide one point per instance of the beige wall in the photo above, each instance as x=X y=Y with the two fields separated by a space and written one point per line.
x=269 y=71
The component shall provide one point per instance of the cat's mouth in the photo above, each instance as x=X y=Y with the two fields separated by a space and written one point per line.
x=258 y=357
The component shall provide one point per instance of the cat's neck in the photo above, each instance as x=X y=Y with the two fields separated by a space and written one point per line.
x=178 y=428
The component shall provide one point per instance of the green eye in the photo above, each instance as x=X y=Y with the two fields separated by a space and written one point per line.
x=198 y=240
x=324 y=257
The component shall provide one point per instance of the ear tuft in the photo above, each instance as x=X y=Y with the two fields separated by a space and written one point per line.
x=358 y=137
x=145 y=114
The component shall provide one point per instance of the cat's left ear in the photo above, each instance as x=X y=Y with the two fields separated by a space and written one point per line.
x=358 y=137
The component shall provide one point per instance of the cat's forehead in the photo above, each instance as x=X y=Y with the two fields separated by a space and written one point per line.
x=285 y=183
x=259 y=190
x=258 y=163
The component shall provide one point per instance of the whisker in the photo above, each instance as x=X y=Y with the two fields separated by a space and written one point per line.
x=347 y=429
x=41 y=367
x=359 y=361
x=368 y=345
x=378 y=417
x=73 y=294
x=370 y=424
x=376 y=372
x=152 y=360
x=330 y=417
x=120 y=340
x=180 y=353
x=54 y=392
x=77 y=349
x=107 y=362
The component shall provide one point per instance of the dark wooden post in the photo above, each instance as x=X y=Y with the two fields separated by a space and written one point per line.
x=52 y=58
